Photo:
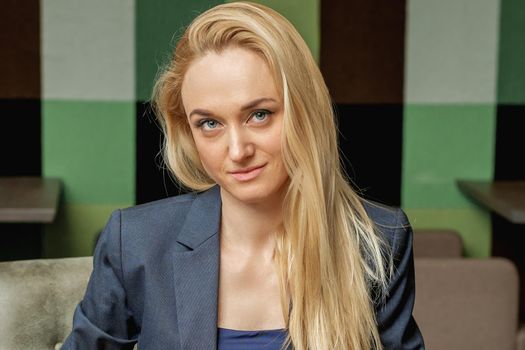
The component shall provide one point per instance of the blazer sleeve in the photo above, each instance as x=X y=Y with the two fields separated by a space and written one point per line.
x=397 y=327
x=102 y=320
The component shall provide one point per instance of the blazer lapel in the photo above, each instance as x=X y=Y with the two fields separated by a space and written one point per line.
x=196 y=273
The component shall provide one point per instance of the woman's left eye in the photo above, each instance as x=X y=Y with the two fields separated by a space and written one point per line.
x=260 y=116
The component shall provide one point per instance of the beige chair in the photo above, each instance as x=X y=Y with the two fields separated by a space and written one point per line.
x=37 y=300
x=464 y=304
x=429 y=243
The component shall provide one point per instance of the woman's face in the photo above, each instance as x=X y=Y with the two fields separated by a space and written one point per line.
x=236 y=114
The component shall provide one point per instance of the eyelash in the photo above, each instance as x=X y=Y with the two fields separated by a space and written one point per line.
x=201 y=123
x=267 y=113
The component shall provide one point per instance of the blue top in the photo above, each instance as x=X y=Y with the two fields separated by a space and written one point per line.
x=229 y=339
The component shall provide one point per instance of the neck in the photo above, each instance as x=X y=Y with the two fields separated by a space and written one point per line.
x=250 y=226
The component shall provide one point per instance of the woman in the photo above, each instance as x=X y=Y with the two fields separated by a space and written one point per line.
x=276 y=250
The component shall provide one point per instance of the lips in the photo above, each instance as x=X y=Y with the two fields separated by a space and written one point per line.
x=247 y=174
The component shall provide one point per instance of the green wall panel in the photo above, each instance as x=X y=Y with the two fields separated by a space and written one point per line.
x=443 y=143
x=304 y=15
x=91 y=147
x=451 y=51
x=88 y=49
x=511 y=63
x=74 y=231
x=158 y=24
x=473 y=224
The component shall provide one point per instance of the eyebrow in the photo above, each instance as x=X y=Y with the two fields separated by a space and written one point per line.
x=249 y=105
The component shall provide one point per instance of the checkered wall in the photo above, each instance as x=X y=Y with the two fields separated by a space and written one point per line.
x=426 y=92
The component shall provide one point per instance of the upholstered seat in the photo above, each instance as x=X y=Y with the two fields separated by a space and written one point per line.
x=464 y=304
x=37 y=300
x=435 y=243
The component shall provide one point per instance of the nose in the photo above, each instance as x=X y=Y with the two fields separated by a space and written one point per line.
x=240 y=145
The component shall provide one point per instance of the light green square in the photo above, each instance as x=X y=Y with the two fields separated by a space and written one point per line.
x=444 y=143
x=90 y=146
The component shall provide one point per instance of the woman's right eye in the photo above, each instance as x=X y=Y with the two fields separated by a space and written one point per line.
x=208 y=124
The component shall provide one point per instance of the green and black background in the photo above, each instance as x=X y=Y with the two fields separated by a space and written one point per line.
x=426 y=92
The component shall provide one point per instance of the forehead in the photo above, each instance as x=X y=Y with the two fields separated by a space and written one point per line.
x=232 y=76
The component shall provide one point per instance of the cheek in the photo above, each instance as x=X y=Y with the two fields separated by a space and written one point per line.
x=273 y=144
x=208 y=155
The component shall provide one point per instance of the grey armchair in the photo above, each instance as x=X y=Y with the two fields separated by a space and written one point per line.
x=37 y=300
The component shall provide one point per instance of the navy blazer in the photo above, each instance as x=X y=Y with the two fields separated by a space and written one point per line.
x=156 y=274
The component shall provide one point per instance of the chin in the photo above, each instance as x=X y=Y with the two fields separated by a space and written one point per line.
x=252 y=194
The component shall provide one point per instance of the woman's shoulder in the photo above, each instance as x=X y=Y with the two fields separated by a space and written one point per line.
x=166 y=218
x=391 y=222
x=384 y=215
x=160 y=206
x=171 y=207
x=397 y=327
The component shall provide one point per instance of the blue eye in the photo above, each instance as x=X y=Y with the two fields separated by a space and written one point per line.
x=260 y=116
x=208 y=124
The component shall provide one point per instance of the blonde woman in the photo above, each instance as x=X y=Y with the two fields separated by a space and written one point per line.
x=273 y=249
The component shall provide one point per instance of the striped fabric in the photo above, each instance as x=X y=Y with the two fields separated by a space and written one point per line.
x=426 y=92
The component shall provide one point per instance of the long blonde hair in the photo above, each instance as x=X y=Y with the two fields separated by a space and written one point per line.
x=330 y=255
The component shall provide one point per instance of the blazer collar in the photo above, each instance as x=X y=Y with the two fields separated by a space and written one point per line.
x=203 y=218
x=196 y=273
